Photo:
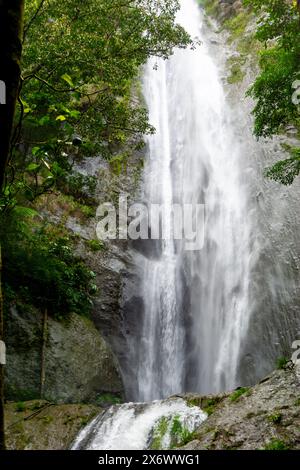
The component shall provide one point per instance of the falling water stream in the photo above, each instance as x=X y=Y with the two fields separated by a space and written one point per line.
x=194 y=158
x=196 y=309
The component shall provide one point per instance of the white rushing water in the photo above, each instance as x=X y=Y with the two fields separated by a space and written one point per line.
x=199 y=297
x=134 y=426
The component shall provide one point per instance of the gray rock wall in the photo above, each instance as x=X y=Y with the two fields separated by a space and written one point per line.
x=79 y=365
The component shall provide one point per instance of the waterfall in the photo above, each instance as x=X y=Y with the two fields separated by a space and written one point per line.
x=137 y=426
x=195 y=303
x=198 y=320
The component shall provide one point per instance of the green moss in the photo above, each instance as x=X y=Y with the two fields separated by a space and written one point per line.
x=108 y=399
x=84 y=421
x=211 y=7
x=210 y=406
x=20 y=407
x=160 y=431
x=194 y=401
x=276 y=444
x=37 y=406
x=237 y=25
x=248 y=44
x=88 y=211
x=236 y=74
x=118 y=163
x=281 y=362
x=95 y=245
x=275 y=418
x=47 y=419
x=239 y=392
x=297 y=402
x=180 y=435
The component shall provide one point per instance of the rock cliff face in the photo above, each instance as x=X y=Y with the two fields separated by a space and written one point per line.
x=79 y=366
x=266 y=416
x=81 y=356
x=40 y=425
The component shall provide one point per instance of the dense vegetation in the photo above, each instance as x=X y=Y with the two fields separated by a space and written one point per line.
x=79 y=96
x=80 y=61
x=277 y=87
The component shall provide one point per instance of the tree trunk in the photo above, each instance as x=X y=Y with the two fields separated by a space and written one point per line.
x=43 y=353
x=2 y=434
x=11 y=27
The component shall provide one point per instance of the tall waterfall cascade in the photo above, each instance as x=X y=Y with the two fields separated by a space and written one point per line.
x=194 y=158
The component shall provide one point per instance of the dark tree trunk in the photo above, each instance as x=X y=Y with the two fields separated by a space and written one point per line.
x=11 y=27
x=2 y=434
x=43 y=353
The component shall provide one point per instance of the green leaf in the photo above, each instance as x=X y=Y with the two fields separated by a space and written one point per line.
x=74 y=114
x=67 y=79
x=21 y=211
x=35 y=151
x=44 y=120
x=61 y=118
x=32 y=167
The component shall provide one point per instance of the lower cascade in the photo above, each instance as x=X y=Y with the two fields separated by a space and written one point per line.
x=137 y=426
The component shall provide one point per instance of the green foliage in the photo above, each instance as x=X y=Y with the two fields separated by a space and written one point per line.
x=276 y=444
x=278 y=30
x=281 y=362
x=108 y=399
x=236 y=74
x=95 y=245
x=77 y=185
x=175 y=430
x=273 y=91
x=237 y=25
x=118 y=163
x=180 y=434
x=41 y=269
x=88 y=211
x=20 y=406
x=211 y=6
x=210 y=406
x=285 y=171
x=159 y=432
x=80 y=62
x=239 y=392
x=275 y=418
x=37 y=405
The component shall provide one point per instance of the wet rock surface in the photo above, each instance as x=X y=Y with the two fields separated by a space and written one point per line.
x=41 y=425
x=266 y=416
x=79 y=365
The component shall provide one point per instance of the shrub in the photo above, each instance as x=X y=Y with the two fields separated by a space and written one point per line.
x=276 y=444
x=239 y=392
x=180 y=434
x=95 y=245
x=276 y=418
x=42 y=270
x=281 y=362
x=20 y=406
